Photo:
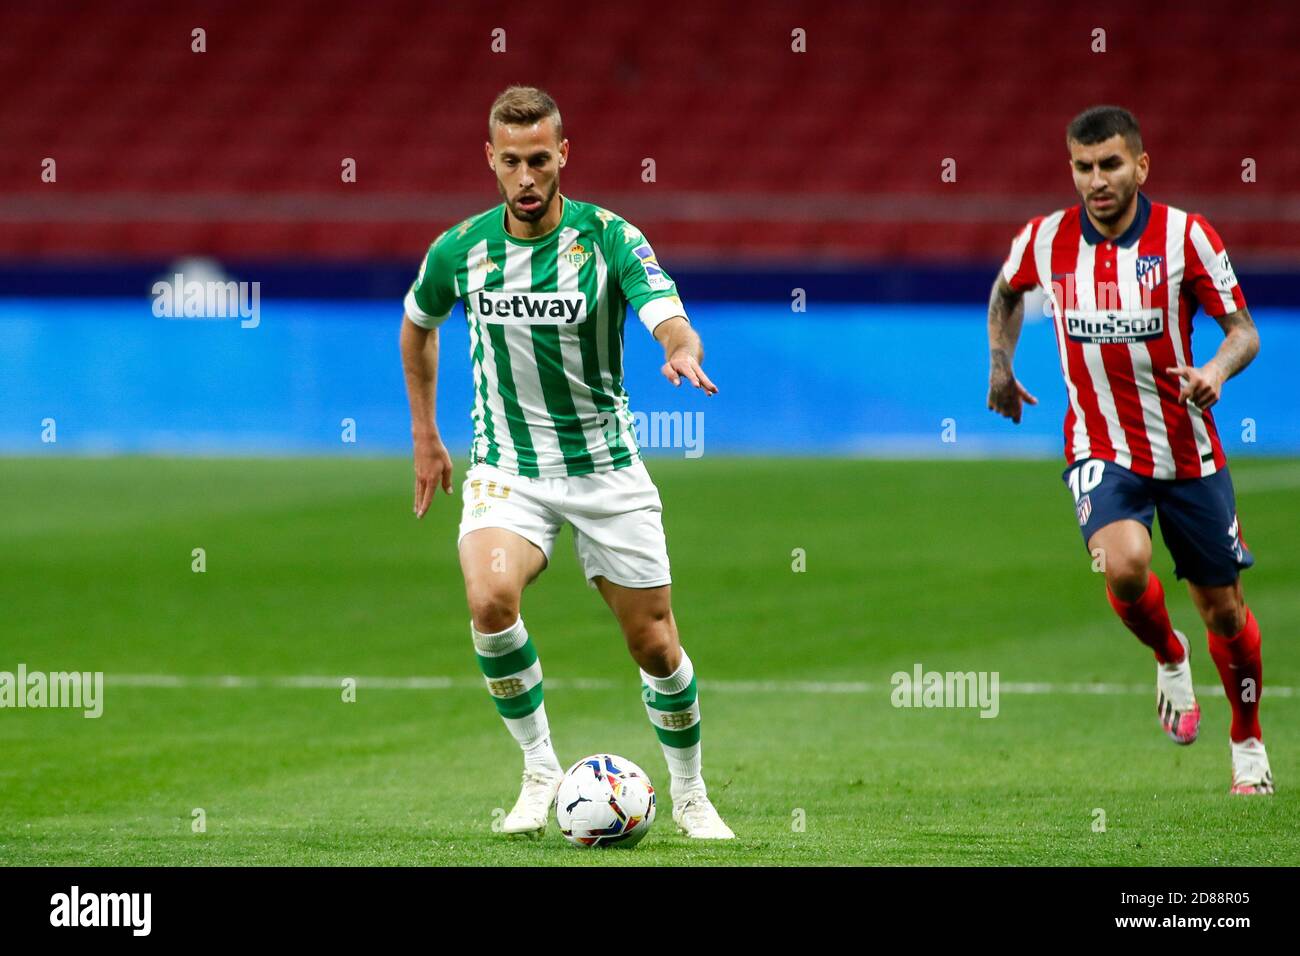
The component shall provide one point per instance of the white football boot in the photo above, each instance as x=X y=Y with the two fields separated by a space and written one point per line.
x=1250 y=772
x=696 y=816
x=1176 y=704
x=533 y=808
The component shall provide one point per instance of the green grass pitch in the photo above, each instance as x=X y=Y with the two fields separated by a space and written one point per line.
x=316 y=568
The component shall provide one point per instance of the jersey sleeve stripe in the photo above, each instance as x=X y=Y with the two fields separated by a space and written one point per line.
x=661 y=310
x=1018 y=270
x=1209 y=264
x=418 y=315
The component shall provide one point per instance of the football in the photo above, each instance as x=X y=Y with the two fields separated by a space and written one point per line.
x=605 y=800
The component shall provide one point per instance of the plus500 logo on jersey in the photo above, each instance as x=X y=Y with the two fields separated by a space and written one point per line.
x=531 y=308
x=1105 y=327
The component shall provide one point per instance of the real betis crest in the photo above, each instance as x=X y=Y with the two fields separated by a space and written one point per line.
x=576 y=255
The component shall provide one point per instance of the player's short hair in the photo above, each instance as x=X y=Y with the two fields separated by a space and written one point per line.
x=1099 y=123
x=524 y=106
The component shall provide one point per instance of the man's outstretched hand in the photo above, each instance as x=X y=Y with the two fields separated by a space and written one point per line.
x=1007 y=397
x=682 y=365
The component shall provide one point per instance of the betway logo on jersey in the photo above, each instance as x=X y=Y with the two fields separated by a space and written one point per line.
x=531 y=308
x=1107 y=326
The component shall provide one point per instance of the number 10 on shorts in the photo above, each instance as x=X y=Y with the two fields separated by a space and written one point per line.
x=1086 y=477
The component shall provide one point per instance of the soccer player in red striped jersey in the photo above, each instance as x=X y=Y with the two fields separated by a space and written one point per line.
x=1124 y=276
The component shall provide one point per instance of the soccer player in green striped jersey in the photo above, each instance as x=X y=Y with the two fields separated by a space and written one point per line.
x=545 y=282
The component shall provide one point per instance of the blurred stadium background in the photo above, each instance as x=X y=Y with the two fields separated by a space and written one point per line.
x=774 y=171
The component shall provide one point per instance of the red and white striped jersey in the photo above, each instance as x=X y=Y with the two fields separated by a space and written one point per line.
x=1123 y=312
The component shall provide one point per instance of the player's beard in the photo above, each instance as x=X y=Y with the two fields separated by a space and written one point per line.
x=1124 y=200
x=535 y=214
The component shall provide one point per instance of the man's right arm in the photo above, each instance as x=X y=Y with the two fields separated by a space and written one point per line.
x=427 y=305
x=420 y=365
x=1006 y=314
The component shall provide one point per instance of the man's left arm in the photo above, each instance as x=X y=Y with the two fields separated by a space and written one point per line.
x=683 y=354
x=1211 y=279
x=653 y=294
x=1203 y=386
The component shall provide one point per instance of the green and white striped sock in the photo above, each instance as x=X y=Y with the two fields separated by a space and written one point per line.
x=674 y=710
x=514 y=679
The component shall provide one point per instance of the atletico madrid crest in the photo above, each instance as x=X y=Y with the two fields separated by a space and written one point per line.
x=1084 y=509
x=1151 y=271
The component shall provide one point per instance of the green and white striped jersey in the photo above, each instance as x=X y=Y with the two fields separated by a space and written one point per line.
x=546 y=334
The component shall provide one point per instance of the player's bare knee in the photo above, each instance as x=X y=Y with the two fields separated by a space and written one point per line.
x=1126 y=576
x=660 y=661
x=653 y=645
x=493 y=609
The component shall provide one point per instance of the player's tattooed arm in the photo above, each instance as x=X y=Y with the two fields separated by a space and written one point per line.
x=1203 y=386
x=419 y=348
x=683 y=354
x=1240 y=343
x=1006 y=315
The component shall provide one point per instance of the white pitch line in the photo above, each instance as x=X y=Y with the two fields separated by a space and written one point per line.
x=315 y=682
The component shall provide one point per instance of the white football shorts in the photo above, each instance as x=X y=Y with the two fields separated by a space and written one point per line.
x=616 y=515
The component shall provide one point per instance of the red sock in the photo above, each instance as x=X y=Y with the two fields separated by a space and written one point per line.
x=1238 y=660
x=1147 y=618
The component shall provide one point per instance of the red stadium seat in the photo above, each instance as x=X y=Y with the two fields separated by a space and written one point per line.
x=884 y=93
